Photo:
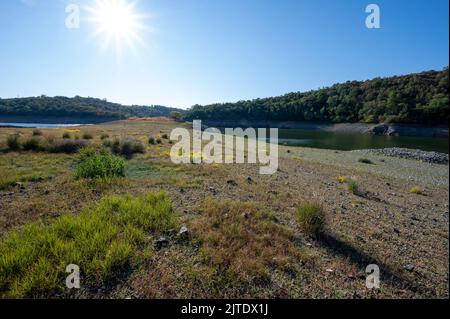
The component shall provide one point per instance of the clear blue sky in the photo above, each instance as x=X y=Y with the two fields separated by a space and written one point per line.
x=204 y=51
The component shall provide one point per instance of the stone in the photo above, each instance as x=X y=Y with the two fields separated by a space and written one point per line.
x=231 y=182
x=184 y=232
x=161 y=242
x=409 y=267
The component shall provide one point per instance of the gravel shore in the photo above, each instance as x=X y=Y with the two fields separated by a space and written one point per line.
x=419 y=155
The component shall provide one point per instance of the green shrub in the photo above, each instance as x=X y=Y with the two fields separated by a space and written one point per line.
x=311 y=218
x=365 y=161
x=99 y=164
x=152 y=140
x=102 y=241
x=352 y=186
x=66 y=146
x=66 y=135
x=33 y=144
x=158 y=141
x=13 y=142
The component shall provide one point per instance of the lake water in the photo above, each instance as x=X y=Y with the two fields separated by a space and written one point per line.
x=357 y=141
x=38 y=125
x=340 y=141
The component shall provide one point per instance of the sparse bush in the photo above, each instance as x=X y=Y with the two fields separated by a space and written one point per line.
x=66 y=135
x=77 y=137
x=87 y=136
x=127 y=147
x=104 y=136
x=107 y=143
x=103 y=240
x=13 y=142
x=165 y=136
x=116 y=146
x=99 y=164
x=311 y=217
x=66 y=146
x=50 y=139
x=138 y=147
x=352 y=186
x=37 y=132
x=151 y=141
x=416 y=190
x=365 y=161
x=33 y=144
x=158 y=141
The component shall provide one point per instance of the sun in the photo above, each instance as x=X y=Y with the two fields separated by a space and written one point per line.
x=117 y=22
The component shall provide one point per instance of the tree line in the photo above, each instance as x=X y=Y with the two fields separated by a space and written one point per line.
x=79 y=107
x=421 y=98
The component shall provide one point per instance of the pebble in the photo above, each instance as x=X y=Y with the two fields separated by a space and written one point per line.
x=410 y=267
x=419 y=155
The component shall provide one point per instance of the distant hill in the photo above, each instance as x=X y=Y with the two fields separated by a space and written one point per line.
x=79 y=109
x=421 y=98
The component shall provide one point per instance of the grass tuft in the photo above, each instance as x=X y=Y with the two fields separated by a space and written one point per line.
x=33 y=144
x=66 y=135
x=311 y=218
x=352 y=186
x=66 y=146
x=13 y=142
x=87 y=136
x=365 y=161
x=102 y=241
x=37 y=132
x=126 y=147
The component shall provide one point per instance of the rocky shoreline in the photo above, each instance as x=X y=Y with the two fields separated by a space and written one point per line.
x=419 y=155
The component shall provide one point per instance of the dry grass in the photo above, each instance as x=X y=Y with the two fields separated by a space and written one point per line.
x=243 y=240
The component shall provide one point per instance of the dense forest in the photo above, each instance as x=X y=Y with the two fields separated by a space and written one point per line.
x=421 y=98
x=77 y=107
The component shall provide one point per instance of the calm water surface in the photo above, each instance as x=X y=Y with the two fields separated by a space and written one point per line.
x=340 y=141
x=358 y=141
x=39 y=125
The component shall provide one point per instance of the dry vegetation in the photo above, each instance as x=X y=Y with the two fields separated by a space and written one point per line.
x=308 y=231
